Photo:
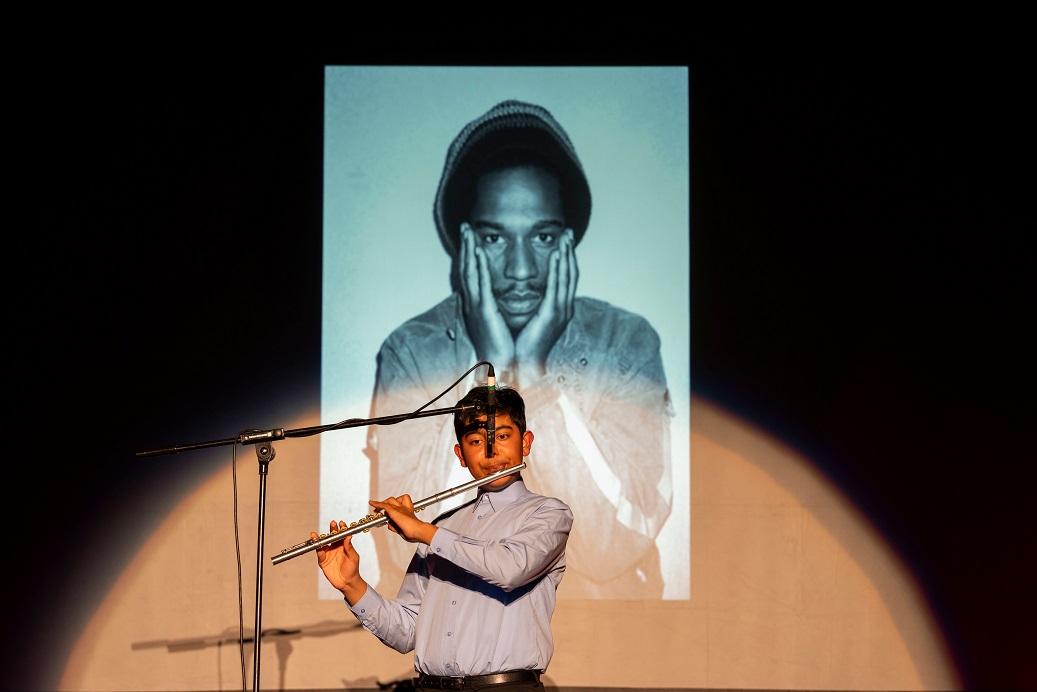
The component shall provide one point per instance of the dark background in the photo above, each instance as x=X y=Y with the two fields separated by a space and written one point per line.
x=862 y=281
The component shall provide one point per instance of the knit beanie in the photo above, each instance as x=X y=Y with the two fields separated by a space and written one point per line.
x=510 y=125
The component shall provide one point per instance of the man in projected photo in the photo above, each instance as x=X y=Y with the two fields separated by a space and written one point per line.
x=512 y=206
x=476 y=603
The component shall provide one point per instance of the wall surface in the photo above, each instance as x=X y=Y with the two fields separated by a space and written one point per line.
x=790 y=589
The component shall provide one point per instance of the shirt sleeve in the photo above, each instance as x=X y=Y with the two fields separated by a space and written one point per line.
x=512 y=562
x=602 y=425
x=393 y=621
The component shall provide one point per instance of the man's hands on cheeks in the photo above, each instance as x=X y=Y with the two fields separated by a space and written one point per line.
x=539 y=335
x=403 y=521
x=489 y=332
x=486 y=326
x=340 y=563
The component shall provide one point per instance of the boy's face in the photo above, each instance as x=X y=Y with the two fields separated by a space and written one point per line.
x=509 y=448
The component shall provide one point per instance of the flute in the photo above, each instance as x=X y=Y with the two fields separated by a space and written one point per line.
x=374 y=520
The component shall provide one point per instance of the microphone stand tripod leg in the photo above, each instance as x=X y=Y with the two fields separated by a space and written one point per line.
x=265 y=454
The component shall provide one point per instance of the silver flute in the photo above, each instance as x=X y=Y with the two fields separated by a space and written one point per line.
x=374 y=520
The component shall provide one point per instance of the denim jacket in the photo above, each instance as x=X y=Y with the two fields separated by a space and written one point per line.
x=600 y=419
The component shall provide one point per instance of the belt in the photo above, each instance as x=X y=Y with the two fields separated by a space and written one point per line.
x=444 y=682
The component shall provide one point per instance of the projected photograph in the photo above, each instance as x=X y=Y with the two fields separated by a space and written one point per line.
x=537 y=218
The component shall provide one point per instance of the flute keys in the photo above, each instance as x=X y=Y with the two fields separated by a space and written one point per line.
x=366 y=520
x=363 y=524
x=308 y=541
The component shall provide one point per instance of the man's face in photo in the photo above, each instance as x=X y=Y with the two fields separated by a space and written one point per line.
x=518 y=218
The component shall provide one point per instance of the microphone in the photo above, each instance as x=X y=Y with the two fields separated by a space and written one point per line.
x=491 y=410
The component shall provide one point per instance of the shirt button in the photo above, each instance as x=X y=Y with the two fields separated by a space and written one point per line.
x=449 y=634
x=583 y=361
x=439 y=550
x=453 y=602
x=561 y=379
x=363 y=610
x=479 y=517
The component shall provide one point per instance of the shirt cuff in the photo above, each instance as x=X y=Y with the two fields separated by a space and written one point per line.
x=442 y=544
x=367 y=605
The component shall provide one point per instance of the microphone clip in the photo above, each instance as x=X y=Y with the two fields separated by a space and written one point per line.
x=491 y=412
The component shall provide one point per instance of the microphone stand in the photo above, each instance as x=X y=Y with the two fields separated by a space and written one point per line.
x=265 y=453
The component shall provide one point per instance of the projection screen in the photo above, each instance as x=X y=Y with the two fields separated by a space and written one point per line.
x=612 y=414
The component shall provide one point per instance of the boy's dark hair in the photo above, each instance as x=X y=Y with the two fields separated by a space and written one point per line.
x=508 y=401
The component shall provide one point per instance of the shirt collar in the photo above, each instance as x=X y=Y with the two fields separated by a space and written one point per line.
x=502 y=498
